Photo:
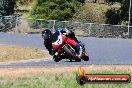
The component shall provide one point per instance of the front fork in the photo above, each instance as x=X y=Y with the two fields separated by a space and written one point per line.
x=59 y=54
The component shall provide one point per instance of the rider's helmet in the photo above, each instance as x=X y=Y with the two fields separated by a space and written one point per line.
x=46 y=34
x=64 y=31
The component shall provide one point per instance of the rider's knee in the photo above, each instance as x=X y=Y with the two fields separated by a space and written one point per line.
x=77 y=47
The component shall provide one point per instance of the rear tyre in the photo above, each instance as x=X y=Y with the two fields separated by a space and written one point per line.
x=69 y=53
x=85 y=57
x=78 y=60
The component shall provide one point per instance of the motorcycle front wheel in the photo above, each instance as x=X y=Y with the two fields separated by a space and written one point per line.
x=56 y=59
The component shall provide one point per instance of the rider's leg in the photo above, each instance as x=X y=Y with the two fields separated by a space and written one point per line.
x=76 y=45
x=79 y=49
x=72 y=36
x=76 y=40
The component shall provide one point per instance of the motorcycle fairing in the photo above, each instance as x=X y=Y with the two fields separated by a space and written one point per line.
x=60 y=38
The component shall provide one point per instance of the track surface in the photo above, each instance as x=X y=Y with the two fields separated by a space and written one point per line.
x=101 y=50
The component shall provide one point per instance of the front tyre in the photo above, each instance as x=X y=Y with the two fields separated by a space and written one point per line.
x=56 y=59
x=70 y=59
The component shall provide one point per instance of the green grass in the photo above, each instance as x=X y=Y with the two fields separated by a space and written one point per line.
x=58 y=80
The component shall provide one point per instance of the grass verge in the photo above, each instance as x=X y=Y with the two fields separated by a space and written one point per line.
x=13 y=53
x=57 y=77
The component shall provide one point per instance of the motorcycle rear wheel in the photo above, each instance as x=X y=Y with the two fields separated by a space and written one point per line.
x=78 y=60
x=85 y=57
x=69 y=53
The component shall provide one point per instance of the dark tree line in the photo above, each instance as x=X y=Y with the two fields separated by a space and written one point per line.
x=64 y=9
x=7 y=7
x=118 y=16
x=55 y=9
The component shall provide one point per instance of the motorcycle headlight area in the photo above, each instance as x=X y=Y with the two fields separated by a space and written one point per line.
x=56 y=53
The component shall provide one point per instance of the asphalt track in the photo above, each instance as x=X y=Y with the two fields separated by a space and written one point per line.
x=102 y=51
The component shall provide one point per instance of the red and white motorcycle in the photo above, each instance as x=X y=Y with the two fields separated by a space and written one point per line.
x=65 y=50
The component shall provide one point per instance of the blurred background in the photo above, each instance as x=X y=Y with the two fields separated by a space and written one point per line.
x=88 y=18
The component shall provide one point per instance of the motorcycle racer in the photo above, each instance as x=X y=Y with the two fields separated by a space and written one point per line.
x=50 y=38
x=46 y=34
